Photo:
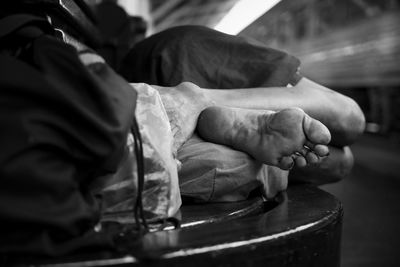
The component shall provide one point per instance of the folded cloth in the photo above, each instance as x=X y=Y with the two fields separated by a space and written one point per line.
x=217 y=173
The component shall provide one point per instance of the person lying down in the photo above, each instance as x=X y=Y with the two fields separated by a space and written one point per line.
x=258 y=117
x=168 y=118
x=237 y=115
x=244 y=119
x=282 y=139
x=205 y=131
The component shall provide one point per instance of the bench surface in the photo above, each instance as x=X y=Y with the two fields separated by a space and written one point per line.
x=303 y=228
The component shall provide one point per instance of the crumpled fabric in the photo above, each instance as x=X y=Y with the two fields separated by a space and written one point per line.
x=209 y=59
x=217 y=173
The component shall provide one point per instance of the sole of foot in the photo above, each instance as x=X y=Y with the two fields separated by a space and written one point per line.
x=284 y=139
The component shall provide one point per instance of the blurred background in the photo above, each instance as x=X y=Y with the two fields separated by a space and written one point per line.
x=352 y=46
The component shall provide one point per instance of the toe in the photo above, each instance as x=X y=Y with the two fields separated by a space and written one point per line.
x=315 y=131
x=309 y=145
x=321 y=150
x=304 y=150
x=312 y=158
x=299 y=160
x=286 y=163
x=310 y=155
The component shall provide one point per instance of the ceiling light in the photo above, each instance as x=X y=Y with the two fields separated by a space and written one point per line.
x=242 y=14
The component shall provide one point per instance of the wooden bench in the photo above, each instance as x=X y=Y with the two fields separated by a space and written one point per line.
x=301 y=227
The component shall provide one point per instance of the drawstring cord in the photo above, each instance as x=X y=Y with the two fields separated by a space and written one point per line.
x=138 y=207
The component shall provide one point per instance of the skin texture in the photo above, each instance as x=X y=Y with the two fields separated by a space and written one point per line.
x=183 y=105
x=285 y=138
x=340 y=114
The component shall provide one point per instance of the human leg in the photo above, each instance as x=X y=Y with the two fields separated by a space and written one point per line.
x=155 y=61
x=215 y=60
x=212 y=172
x=339 y=113
x=183 y=104
x=274 y=138
x=197 y=99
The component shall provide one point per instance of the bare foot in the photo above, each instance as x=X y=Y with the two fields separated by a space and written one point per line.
x=331 y=169
x=283 y=139
x=183 y=104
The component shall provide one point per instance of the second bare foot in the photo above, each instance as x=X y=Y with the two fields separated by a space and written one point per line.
x=283 y=139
